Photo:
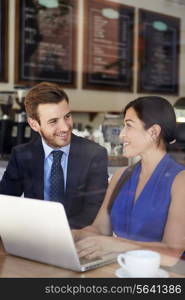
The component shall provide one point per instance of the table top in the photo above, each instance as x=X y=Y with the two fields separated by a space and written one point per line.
x=16 y=267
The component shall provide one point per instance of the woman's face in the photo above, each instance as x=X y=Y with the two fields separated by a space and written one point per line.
x=136 y=140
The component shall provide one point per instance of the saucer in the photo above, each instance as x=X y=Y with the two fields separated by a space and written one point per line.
x=123 y=273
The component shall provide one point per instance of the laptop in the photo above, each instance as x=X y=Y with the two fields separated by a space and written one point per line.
x=39 y=230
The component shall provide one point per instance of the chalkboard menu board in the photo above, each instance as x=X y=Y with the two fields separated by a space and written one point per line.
x=46 y=41
x=108 y=46
x=3 y=40
x=158 y=53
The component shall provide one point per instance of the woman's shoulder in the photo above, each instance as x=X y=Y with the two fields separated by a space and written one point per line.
x=179 y=180
x=178 y=187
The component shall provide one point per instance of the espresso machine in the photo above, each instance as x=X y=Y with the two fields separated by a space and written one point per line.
x=21 y=131
x=6 y=122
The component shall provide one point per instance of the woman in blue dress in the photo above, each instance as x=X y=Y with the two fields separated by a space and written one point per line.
x=148 y=210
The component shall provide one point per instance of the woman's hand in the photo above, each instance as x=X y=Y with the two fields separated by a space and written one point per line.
x=79 y=234
x=97 y=246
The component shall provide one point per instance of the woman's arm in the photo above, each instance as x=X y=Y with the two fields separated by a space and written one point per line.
x=174 y=233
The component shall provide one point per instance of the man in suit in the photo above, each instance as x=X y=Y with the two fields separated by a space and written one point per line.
x=84 y=163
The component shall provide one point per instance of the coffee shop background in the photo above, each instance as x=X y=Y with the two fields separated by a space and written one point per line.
x=97 y=104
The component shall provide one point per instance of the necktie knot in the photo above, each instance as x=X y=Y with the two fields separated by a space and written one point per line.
x=57 y=155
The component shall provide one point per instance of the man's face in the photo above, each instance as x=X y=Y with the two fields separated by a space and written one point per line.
x=56 y=124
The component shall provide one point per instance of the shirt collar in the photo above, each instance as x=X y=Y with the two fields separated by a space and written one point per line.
x=48 y=149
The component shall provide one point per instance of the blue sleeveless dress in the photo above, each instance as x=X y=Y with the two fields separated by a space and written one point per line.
x=144 y=219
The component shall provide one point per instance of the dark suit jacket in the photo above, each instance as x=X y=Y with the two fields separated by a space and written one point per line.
x=86 y=184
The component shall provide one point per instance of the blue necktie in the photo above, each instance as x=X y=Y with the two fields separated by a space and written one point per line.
x=57 y=178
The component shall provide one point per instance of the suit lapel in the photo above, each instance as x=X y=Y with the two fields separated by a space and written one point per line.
x=38 y=168
x=73 y=168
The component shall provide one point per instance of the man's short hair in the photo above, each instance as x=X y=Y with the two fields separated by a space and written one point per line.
x=42 y=93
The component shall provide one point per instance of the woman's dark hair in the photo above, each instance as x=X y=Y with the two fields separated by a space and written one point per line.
x=155 y=110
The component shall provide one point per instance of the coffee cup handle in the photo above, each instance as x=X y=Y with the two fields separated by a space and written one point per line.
x=121 y=259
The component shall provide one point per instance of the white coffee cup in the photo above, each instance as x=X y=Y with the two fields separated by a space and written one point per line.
x=140 y=263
